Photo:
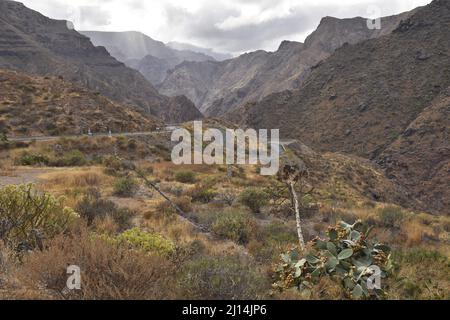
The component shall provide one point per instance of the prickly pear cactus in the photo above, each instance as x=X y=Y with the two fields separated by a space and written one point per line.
x=348 y=256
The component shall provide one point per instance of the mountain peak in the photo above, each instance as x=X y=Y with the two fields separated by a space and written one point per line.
x=287 y=44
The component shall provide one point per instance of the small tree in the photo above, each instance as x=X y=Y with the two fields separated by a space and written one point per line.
x=293 y=172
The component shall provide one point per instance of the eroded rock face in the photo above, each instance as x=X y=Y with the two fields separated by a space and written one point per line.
x=35 y=44
x=217 y=88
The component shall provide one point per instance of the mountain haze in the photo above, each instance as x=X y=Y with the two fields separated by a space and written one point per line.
x=33 y=43
x=137 y=50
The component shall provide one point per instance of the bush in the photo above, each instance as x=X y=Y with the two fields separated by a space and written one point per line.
x=391 y=216
x=115 y=166
x=203 y=195
x=73 y=158
x=221 y=278
x=125 y=187
x=28 y=216
x=184 y=203
x=254 y=198
x=109 y=272
x=29 y=159
x=344 y=257
x=236 y=226
x=185 y=177
x=146 y=242
x=93 y=207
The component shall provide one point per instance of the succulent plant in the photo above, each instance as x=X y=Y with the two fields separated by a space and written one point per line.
x=347 y=256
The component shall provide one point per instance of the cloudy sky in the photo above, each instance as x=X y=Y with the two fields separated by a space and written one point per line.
x=233 y=26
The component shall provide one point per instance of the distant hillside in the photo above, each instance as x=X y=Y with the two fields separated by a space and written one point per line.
x=210 y=52
x=137 y=50
x=385 y=99
x=217 y=88
x=51 y=106
x=33 y=43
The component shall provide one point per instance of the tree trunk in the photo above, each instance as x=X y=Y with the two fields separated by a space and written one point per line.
x=297 y=215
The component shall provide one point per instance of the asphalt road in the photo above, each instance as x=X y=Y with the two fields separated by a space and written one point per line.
x=52 y=138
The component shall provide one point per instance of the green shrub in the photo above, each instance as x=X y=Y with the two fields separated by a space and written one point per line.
x=344 y=257
x=73 y=158
x=92 y=207
x=146 y=242
x=391 y=216
x=236 y=226
x=117 y=167
x=125 y=187
x=30 y=159
x=203 y=195
x=28 y=216
x=185 y=177
x=254 y=198
x=223 y=277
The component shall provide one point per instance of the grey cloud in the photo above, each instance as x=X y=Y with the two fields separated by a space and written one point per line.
x=202 y=27
x=94 y=16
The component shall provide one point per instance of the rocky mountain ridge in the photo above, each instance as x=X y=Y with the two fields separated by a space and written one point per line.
x=217 y=88
x=385 y=99
x=33 y=43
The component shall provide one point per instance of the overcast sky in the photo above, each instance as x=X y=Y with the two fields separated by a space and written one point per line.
x=233 y=26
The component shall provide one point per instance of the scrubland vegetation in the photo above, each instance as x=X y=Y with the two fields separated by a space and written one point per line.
x=237 y=239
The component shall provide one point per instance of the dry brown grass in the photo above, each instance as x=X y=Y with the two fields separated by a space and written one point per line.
x=76 y=178
x=107 y=271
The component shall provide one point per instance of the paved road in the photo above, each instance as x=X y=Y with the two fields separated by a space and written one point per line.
x=52 y=138
x=283 y=142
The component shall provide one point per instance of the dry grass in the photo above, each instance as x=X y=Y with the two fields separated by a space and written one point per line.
x=108 y=272
x=76 y=178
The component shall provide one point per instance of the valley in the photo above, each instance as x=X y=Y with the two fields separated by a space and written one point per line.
x=90 y=122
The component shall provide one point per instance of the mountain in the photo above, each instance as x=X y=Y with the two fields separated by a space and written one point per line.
x=219 y=56
x=252 y=76
x=33 y=105
x=33 y=43
x=137 y=50
x=385 y=99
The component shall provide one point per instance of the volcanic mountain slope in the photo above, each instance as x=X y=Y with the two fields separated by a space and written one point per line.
x=33 y=105
x=363 y=99
x=217 y=88
x=420 y=157
x=137 y=50
x=337 y=177
x=35 y=44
